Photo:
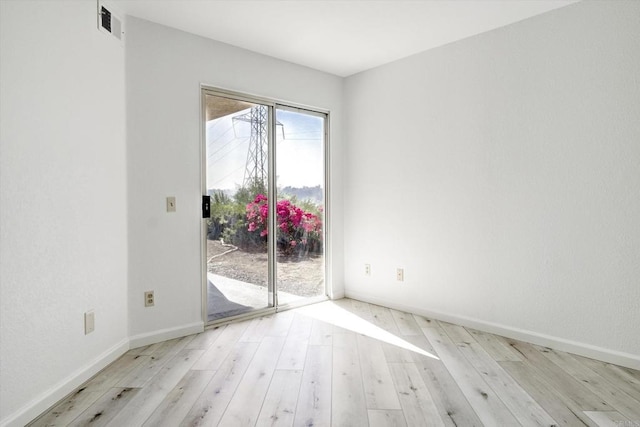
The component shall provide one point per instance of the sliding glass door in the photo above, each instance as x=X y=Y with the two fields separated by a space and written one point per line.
x=237 y=174
x=264 y=187
x=300 y=209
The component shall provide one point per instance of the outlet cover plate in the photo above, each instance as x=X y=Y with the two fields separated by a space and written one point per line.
x=89 y=322
x=149 y=299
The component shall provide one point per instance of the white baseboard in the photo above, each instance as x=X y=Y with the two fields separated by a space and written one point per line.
x=587 y=350
x=50 y=397
x=337 y=295
x=165 y=334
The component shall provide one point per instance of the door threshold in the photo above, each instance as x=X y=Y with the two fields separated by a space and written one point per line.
x=267 y=311
x=244 y=316
x=302 y=302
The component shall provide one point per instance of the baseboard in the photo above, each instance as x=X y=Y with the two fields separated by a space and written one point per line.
x=587 y=350
x=337 y=295
x=50 y=397
x=165 y=334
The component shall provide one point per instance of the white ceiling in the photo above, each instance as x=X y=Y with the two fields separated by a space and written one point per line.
x=341 y=37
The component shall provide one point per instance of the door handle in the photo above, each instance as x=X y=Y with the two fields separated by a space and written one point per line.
x=206 y=206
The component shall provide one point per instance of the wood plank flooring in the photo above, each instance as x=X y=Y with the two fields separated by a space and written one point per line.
x=349 y=363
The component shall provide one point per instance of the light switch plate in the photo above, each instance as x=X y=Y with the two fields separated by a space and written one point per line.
x=171 y=204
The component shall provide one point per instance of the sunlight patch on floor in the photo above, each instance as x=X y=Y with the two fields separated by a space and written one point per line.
x=330 y=312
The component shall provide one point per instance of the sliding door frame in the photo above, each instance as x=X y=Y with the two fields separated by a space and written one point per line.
x=271 y=105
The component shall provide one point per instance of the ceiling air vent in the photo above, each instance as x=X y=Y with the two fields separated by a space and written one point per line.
x=108 y=22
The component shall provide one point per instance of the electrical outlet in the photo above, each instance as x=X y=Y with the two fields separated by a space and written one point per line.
x=149 y=299
x=367 y=269
x=400 y=275
x=89 y=322
x=171 y=204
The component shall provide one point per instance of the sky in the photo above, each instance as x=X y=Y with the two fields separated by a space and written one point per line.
x=299 y=152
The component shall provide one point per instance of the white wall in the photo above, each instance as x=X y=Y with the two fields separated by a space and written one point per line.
x=503 y=173
x=63 y=244
x=164 y=69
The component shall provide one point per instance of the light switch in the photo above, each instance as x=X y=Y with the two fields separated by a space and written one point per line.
x=171 y=204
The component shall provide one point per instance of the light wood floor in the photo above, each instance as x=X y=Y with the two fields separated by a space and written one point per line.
x=348 y=363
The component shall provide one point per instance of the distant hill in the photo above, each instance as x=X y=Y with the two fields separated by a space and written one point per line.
x=305 y=193
x=314 y=194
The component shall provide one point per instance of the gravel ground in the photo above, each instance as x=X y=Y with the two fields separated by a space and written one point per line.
x=303 y=277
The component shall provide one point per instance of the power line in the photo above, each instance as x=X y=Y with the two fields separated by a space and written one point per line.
x=240 y=141
x=227 y=175
x=301 y=139
x=216 y=122
x=304 y=132
x=219 y=137
x=224 y=155
x=257 y=155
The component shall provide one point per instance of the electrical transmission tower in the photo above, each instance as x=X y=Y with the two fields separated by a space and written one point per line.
x=258 y=153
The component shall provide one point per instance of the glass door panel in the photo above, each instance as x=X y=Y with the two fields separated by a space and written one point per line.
x=300 y=215
x=236 y=135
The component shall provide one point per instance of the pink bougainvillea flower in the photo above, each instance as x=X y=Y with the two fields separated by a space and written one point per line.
x=294 y=224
